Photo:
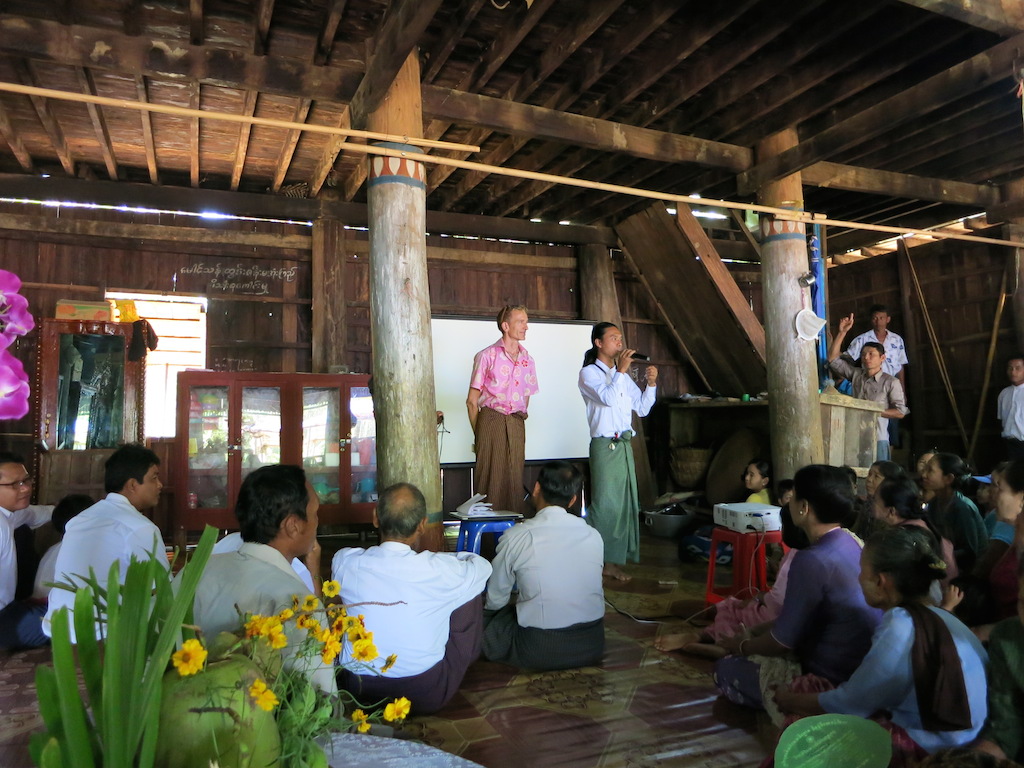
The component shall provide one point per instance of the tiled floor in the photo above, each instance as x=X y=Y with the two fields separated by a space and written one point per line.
x=639 y=708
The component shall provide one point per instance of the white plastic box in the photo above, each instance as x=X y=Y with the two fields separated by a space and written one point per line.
x=748 y=517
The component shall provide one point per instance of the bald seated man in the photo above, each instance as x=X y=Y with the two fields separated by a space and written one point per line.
x=426 y=608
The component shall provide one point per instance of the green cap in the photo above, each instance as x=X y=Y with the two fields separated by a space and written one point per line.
x=834 y=741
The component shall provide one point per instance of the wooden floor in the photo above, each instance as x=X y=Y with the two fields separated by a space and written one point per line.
x=639 y=708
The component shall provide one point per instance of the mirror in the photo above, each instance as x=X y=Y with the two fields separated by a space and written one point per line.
x=90 y=391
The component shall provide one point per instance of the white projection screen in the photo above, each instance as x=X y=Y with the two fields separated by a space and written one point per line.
x=557 y=427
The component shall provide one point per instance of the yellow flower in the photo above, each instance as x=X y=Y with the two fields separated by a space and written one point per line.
x=389 y=662
x=361 y=720
x=286 y=614
x=295 y=602
x=364 y=650
x=264 y=698
x=331 y=588
x=277 y=637
x=335 y=610
x=323 y=635
x=397 y=710
x=310 y=603
x=190 y=658
x=331 y=650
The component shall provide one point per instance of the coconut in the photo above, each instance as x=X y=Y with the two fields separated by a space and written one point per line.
x=210 y=717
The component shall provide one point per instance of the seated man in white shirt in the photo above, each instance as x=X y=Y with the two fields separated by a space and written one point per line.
x=113 y=530
x=277 y=518
x=424 y=607
x=554 y=561
x=20 y=620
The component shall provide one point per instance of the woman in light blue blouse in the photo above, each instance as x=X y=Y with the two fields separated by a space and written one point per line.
x=924 y=677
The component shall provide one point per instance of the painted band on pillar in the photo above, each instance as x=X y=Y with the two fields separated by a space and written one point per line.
x=773 y=229
x=396 y=170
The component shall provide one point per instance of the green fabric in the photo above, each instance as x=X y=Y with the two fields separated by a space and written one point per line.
x=1006 y=688
x=834 y=741
x=614 y=508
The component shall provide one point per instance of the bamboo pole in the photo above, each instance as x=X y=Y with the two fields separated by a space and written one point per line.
x=170 y=109
x=993 y=339
x=807 y=217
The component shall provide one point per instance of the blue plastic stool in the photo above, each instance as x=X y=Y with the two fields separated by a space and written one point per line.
x=470 y=532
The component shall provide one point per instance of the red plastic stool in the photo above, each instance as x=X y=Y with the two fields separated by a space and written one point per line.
x=749 y=567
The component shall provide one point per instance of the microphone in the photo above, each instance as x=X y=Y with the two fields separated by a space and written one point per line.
x=641 y=357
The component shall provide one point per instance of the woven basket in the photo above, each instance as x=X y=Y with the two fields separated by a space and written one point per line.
x=689 y=465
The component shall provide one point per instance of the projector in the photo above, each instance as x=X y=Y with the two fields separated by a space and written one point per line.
x=747 y=517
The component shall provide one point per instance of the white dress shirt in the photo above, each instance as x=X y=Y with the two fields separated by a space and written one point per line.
x=110 y=531
x=426 y=588
x=34 y=516
x=895 y=350
x=611 y=397
x=1010 y=408
x=44 y=574
x=555 y=561
x=256 y=579
x=233 y=541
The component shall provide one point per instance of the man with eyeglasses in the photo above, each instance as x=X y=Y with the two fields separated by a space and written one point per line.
x=20 y=620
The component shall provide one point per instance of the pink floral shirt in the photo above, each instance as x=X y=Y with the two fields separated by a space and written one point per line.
x=504 y=384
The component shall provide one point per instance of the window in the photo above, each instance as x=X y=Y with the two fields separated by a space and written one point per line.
x=180 y=325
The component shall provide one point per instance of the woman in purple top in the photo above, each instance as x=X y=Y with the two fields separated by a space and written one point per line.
x=825 y=625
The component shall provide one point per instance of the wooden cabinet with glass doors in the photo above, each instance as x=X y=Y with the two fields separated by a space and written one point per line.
x=229 y=424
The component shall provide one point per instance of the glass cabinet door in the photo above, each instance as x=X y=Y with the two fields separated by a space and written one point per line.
x=321 y=441
x=208 y=448
x=362 y=446
x=260 y=427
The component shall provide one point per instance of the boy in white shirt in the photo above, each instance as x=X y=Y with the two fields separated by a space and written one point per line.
x=1010 y=408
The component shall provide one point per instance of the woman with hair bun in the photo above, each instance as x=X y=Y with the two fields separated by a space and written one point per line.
x=925 y=667
x=897 y=502
x=954 y=516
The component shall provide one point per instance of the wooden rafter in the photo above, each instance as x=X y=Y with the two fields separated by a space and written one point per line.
x=244 y=131
x=130 y=17
x=577 y=31
x=99 y=123
x=325 y=41
x=649 y=70
x=999 y=16
x=46 y=118
x=194 y=102
x=195 y=22
x=968 y=76
x=650 y=18
x=14 y=141
x=404 y=25
x=438 y=55
x=328 y=158
x=261 y=31
x=284 y=160
x=147 y=130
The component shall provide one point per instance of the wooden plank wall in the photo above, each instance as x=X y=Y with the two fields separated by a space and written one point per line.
x=960 y=282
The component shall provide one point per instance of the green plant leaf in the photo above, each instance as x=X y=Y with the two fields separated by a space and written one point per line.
x=89 y=653
x=72 y=711
x=51 y=755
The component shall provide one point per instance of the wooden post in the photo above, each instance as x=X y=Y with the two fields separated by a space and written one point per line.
x=403 y=367
x=1014 y=190
x=599 y=302
x=915 y=377
x=794 y=409
x=330 y=310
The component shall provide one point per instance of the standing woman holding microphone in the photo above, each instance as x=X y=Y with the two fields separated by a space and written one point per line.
x=611 y=396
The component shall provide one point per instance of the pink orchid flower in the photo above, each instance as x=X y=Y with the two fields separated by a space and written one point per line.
x=15 y=319
x=14 y=390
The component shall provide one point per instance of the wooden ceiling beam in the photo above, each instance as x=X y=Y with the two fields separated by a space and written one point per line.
x=105 y=49
x=261 y=31
x=404 y=24
x=244 y=131
x=130 y=17
x=325 y=41
x=46 y=118
x=147 y=130
x=284 y=160
x=976 y=72
x=835 y=176
x=649 y=70
x=194 y=100
x=1003 y=18
x=99 y=123
x=437 y=57
x=14 y=142
x=589 y=18
x=195 y=22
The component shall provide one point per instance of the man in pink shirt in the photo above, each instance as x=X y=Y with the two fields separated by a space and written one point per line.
x=504 y=377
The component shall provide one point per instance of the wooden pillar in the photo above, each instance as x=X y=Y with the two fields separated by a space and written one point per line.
x=330 y=310
x=403 y=367
x=793 y=405
x=599 y=302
